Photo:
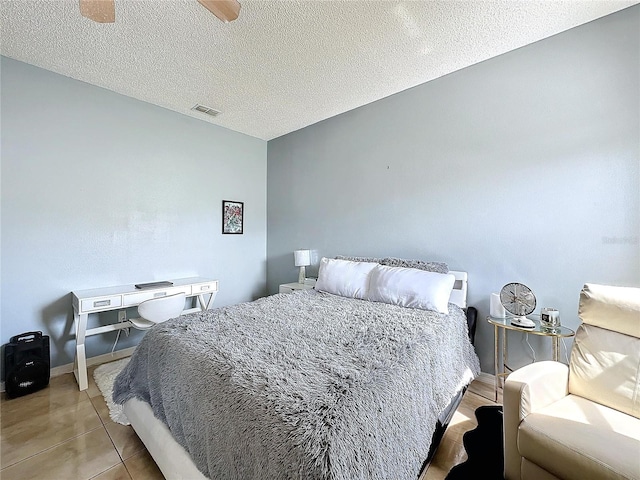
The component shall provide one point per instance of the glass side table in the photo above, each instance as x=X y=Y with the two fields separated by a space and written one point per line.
x=504 y=324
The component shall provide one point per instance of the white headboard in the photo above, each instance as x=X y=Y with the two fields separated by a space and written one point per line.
x=459 y=292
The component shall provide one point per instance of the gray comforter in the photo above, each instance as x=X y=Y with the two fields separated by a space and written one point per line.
x=305 y=385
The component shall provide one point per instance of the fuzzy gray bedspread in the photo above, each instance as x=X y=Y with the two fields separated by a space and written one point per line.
x=305 y=385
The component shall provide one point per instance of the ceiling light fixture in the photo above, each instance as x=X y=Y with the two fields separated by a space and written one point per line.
x=101 y=11
x=225 y=10
x=104 y=11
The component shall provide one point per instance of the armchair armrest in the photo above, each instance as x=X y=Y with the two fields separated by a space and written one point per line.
x=526 y=390
x=535 y=386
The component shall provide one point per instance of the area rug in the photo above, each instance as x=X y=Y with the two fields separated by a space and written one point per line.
x=105 y=375
x=484 y=446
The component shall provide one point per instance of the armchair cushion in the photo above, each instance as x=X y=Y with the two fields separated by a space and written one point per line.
x=577 y=438
x=604 y=368
x=613 y=308
x=605 y=358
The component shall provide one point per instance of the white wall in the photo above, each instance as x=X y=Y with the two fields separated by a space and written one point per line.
x=523 y=168
x=99 y=189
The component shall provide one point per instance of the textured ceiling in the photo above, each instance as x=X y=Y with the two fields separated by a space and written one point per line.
x=282 y=65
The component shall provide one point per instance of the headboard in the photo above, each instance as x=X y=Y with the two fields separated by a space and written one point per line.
x=459 y=297
x=459 y=293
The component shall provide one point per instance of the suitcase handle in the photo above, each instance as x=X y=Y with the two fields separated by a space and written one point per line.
x=26 y=337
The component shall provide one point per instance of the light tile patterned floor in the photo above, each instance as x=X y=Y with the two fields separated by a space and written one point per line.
x=62 y=433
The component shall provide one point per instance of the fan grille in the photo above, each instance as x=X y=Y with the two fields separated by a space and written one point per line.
x=517 y=299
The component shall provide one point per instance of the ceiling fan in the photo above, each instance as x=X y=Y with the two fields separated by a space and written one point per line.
x=104 y=11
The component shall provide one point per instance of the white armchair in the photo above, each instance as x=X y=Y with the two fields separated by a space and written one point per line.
x=581 y=421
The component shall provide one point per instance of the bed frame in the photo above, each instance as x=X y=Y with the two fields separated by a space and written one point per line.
x=173 y=460
x=447 y=414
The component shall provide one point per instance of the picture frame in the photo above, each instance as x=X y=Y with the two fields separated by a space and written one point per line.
x=232 y=217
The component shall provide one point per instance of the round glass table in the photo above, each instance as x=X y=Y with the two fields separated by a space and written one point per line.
x=505 y=324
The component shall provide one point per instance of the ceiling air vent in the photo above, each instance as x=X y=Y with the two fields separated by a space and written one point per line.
x=206 y=110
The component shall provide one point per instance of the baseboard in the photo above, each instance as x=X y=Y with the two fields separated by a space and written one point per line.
x=97 y=360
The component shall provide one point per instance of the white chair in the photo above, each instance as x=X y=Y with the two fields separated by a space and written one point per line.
x=158 y=310
x=581 y=421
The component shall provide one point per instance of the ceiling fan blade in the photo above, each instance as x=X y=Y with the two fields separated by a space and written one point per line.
x=225 y=10
x=102 y=11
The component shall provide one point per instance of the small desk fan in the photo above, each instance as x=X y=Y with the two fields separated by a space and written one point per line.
x=518 y=300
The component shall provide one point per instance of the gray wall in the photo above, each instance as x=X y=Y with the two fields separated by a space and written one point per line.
x=522 y=168
x=99 y=189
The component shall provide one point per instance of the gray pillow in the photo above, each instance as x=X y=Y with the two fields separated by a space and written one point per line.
x=436 y=267
x=359 y=259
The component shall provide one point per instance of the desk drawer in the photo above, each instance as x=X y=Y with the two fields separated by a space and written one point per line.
x=134 y=299
x=100 y=303
x=201 y=288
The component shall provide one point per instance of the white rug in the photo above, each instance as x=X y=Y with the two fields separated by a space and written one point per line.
x=105 y=375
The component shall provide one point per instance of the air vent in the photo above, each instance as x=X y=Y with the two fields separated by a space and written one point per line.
x=206 y=110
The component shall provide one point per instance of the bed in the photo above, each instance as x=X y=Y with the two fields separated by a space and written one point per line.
x=330 y=383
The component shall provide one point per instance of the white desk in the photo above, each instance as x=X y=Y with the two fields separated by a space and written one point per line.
x=98 y=300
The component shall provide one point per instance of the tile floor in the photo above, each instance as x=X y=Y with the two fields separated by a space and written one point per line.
x=62 y=433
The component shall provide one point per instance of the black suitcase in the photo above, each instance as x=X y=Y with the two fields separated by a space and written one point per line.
x=26 y=364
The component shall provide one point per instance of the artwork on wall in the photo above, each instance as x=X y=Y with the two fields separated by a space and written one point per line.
x=232 y=216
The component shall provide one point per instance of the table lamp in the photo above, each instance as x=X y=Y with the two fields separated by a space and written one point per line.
x=302 y=259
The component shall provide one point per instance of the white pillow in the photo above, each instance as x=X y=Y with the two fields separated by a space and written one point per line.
x=344 y=278
x=409 y=287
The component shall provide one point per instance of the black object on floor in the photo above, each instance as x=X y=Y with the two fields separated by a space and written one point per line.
x=26 y=364
x=484 y=446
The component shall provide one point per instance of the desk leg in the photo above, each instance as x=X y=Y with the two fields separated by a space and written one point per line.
x=495 y=360
x=80 y=362
x=205 y=305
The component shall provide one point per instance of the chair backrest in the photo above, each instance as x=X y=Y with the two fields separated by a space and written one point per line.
x=605 y=358
x=161 y=309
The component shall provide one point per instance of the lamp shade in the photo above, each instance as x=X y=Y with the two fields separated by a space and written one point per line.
x=302 y=258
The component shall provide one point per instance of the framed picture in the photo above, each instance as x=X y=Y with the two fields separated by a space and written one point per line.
x=232 y=216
